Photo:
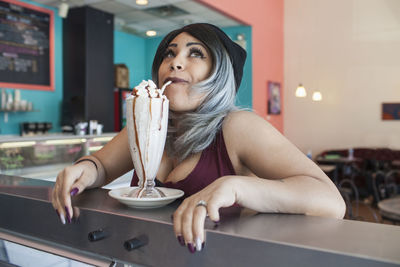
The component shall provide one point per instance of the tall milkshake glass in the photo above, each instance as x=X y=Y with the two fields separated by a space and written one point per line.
x=147 y=123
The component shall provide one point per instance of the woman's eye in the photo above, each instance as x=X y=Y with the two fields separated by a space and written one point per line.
x=196 y=53
x=169 y=53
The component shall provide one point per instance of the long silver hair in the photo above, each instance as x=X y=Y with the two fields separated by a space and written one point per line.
x=196 y=130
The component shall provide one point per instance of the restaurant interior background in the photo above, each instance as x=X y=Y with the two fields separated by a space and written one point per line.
x=346 y=50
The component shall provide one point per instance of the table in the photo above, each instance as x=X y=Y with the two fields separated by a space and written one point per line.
x=390 y=208
x=341 y=163
x=326 y=168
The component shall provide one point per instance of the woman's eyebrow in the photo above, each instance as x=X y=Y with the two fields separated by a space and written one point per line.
x=195 y=43
x=188 y=44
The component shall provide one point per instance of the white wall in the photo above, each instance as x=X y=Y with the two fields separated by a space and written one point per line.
x=350 y=51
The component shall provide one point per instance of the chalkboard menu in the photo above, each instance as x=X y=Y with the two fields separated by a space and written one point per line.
x=26 y=46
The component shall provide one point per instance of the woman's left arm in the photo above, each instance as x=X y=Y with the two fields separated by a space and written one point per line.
x=286 y=180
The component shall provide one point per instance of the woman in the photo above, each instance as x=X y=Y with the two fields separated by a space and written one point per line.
x=217 y=154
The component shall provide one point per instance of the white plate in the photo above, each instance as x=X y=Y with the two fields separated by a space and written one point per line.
x=145 y=203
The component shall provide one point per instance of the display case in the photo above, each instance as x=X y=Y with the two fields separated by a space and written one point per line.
x=45 y=156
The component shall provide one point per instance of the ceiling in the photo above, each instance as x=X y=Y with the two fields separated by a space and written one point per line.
x=161 y=16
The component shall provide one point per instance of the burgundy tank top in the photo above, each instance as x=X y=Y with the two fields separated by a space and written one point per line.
x=214 y=163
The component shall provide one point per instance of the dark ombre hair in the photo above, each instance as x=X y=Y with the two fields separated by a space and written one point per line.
x=197 y=129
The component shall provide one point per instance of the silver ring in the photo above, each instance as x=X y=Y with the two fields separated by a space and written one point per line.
x=202 y=203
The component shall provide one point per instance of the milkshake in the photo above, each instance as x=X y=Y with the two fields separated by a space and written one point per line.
x=147 y=123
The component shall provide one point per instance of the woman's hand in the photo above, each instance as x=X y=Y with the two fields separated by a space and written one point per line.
x=190 y=216
x=70 y=182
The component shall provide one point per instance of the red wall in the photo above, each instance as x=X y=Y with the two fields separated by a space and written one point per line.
x=266 y=19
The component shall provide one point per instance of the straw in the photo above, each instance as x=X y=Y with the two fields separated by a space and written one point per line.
x=164 y=86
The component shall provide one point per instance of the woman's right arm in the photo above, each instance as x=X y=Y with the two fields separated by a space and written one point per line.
x=115 y=157
x=102 y=167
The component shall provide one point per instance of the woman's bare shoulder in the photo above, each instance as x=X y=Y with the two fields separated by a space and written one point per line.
x=239 y=122
x=246 y=132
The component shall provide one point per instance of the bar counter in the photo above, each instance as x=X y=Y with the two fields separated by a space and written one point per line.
x=243 y=237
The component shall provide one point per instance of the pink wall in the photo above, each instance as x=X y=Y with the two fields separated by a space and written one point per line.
x=266 y=19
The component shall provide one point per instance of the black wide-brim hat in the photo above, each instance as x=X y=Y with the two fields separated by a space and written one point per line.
x=236 y=53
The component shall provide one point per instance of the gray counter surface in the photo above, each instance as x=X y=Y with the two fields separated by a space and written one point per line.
x=242 y=238
x=50 y=136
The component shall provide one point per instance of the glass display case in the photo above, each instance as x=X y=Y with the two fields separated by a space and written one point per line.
x=44 y=156
x=14 y=254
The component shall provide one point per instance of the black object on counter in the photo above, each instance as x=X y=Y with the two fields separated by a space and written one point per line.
x=97 y=235
x=136 y=242
x=40 y=127
x=34 y=128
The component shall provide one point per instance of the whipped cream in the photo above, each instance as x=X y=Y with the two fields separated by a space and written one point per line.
x=149 y=89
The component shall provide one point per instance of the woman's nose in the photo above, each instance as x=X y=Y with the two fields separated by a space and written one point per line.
x=176 y=67
x=176 y=64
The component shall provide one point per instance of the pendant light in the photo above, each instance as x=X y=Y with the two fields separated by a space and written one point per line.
x=63 y=8
x=151 y=33
x=142 y=2
x=317 y=96
x=301 y=91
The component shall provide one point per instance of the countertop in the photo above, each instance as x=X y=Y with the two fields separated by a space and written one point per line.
x=243 y=237
x=50 y=136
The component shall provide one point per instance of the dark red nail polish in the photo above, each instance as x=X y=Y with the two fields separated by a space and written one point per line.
x=58 y=214
x=180 y=240
x=191 y=248
x=203 y=245
x=68 y=216
x=74 y=191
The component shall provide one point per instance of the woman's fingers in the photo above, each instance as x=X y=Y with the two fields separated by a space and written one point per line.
x=70 y=175
x=183 y=225
x=190 y=216
x=189 y=221
x=199 y=216
x=56 y=199
x=70 y=182
x=186 y=229
x=178 y=224
x=213 y=211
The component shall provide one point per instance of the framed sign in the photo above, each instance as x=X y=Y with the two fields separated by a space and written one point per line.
x=391 y=111
x=274 y=98
x=26 y=46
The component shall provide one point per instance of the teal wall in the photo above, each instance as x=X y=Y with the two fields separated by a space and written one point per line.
x=130 y=50
x=47 y=103
x=136 y=52
x=244 y=97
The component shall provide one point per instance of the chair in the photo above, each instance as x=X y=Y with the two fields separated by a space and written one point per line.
x=391 y=184
x=378 y=186
x=385 y=184
x=348 y=190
